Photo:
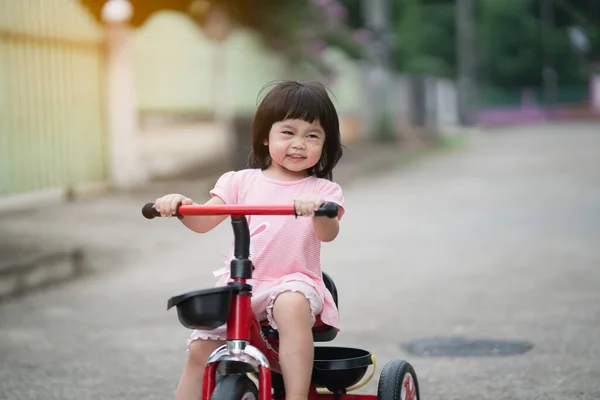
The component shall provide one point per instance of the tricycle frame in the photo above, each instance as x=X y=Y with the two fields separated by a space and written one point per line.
x=245 y=342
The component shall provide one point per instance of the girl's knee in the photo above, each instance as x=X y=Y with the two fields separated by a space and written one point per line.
x=200 y=350
x=291 y=306
x=291 y=302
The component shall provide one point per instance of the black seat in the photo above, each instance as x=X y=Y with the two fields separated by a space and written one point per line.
x=321 y=331
x=330 y=285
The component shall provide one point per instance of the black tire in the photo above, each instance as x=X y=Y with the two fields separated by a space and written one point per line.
x=392 y=382
x=235 y=387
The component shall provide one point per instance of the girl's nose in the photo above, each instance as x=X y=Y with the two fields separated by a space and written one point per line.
x=298 y=143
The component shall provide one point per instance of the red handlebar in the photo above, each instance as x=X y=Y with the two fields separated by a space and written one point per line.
x=327 y=209
x=236 y=210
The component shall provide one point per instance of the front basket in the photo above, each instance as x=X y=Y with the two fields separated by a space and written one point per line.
x=203 y=309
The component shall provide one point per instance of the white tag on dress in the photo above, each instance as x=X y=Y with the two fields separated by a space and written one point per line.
x=221 y=271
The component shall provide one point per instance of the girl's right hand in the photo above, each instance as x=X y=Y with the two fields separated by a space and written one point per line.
x=167 y=205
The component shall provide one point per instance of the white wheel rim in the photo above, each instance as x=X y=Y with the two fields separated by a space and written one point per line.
x=248 y=396
x=409 y=391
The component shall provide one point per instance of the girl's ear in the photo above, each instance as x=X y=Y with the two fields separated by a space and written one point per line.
x=266 y=142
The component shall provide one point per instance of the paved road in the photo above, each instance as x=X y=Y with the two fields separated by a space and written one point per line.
x=497 y=241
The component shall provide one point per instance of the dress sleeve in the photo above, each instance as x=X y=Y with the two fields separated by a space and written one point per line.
x=227 y=188
x=332 y=192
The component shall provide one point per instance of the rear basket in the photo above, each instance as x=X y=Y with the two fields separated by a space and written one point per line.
x=338 y=368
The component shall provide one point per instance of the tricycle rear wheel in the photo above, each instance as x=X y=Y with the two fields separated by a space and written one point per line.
x=235 y=387
x=398 y=381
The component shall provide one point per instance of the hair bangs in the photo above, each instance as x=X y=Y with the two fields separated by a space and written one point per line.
x=305 y=104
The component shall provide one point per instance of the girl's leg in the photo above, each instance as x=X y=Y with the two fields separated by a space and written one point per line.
x=190 y=383
x=292 y=315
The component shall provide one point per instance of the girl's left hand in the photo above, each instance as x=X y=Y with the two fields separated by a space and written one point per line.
x=307 y=204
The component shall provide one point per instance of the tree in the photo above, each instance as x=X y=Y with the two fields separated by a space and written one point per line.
x=584 y=14
x=510 y=47
x=509 y=44
x=297 y=29
x=513 y=48
x=427 y=38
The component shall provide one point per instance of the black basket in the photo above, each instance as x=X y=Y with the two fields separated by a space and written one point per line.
x=203 y=309
x=338 y=368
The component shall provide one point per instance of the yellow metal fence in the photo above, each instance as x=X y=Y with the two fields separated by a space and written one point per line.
x=52 y=126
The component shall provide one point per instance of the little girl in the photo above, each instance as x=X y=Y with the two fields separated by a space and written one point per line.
x=295 y=146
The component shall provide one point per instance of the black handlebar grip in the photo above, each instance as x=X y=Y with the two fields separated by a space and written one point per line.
x=329 y=210
x=149 y=212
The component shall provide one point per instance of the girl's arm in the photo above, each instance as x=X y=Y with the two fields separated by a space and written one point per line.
x=326 y=229
x=205 y=223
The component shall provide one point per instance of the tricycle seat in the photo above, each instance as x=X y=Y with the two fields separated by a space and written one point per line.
x=321 y=332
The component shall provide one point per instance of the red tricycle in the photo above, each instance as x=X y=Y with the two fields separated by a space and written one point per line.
x=251 y=347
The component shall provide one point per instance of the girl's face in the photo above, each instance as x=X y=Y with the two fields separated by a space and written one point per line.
x=294 y=146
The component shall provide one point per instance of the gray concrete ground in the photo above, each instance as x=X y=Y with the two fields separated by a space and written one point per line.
x=498 y=241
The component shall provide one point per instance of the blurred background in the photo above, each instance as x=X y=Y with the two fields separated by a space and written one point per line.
x=119 y=92
x=108 y=104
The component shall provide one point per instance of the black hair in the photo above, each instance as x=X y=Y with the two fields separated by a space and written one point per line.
x=307 y=101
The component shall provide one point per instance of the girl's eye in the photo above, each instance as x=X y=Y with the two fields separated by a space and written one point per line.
x=287 y=133
x=313 y=136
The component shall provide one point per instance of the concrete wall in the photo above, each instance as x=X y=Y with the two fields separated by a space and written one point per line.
x=447 y=104
x=182 y=81
x=166 y=151
x=434 y=98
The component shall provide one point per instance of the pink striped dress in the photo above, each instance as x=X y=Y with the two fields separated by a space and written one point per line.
x=284 y=250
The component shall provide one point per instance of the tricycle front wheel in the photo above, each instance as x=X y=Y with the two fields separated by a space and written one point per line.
x=398 y=381
x=235 y=387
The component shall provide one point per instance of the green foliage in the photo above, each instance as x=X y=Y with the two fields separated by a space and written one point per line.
x=345 y=43
x=426 y=39
x=509 y=44
x=510 y=47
